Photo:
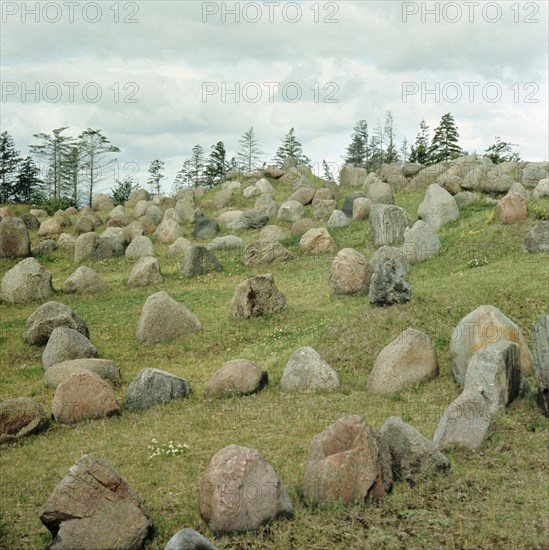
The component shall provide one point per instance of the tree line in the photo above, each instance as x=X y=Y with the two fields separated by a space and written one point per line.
x=73 y=167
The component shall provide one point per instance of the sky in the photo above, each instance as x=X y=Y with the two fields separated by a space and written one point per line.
x=159 y=77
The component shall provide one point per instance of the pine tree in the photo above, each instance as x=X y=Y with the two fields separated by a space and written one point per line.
x=121 y=191
x=196 y=166
x=404 y=151
x=70 y=174
x=292 y=150
x=358 y=152
x=391 y=153
x=327 y=172
x=155 y=171
x=444 y=145
x=217 y=167
x=9 y=161
x=419 y=149
x=501 y=151
x=183 y=177
x=27 y=182
x=249 y=152
x=377 y=142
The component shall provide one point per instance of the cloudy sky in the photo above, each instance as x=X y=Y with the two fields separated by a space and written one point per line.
x=159 y=77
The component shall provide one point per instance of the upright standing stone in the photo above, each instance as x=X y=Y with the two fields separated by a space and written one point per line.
x=387 y=224
x=26 y=282
x=14 y=238
x=540 y=356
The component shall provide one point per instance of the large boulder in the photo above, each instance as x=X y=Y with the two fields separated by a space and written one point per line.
x=350 y=176
x=50 y=227
x=438 y=207
x=199 y=261
x=255 y=297
x=107 y=247
x=135 y=196
x=93 y=507
x=541 y=190
x=241 y=491
x=409 y=359
x=154 y=387
x=290 y=211
x=265 y=252
x=139 y=247
x=66 y=343
x=204 y=228
x=389 y=284
x=84 y=281
x=420 y=242
x=271 y=233
x=338 y=219
x=388 y=224
x=179 y=247
x=350 y=273
x=361 y=208
x=537 y=239
x=102 y=203
x=349 y=462
x=85 y=246
x=227 y=242
x=236 y=377
x=306 y=370
x=162 y=318
x=60 y=372
x=483 y=326
x=26 y=282
x=304 y=195
x=14 y=238
x=540 y=357
x=511 y=208
x=145 y=272
x=48 y=317
x=348 y=203
x=322 y=210
x=317 y=241
x=168 y=232
x=21 y=417
x=189 y=539
x=532 y=174
x=251 y=219
x=412 y=455
x=380 y=192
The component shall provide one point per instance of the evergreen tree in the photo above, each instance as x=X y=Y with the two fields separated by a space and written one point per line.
x=217 y=167
x=444 y=145
x=419 y=149
x=249 y=152
x=358 y=152
x=327 y=175
x=70 y=173
x=291 y=149
x=94 y=148
x=9 y=161
x=501 y=151
x=155 y=170
x=183 y=177
x=121 y=191
x=404 y=151
x=27 y=182
x=377 y=142
x=391 y=153
x=196 y=166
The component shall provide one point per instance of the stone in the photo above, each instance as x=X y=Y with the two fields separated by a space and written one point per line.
x=290 y=211
x=511 y=208
x=85 y=245
x=84 y=224
x=389 y=284
x=48 y=317
x=232 y=185
x=542 y=189
x=250 y=191
x=380 y=192
x=389 y=252
x=348 y=463
x=520 y=189
x=21 y=417
x=117 y=234
x=252 y=219
x=438 y=207
x=317 y=241
x=411 y=169
x=540 y=359
x=388 y=224
x=155 y=213
x=392 y=174
x=351 y=176
x=495 y=182
x=162 y=318
x=49 y=227
x=350 y=273
x=153 y=387
x=227 y=242
x=494 y=372
x=64 y=344
x=14 y=238
x=6 y=212
x=199 y=261
x=464 y=197
x=222 y=198
x=180 y=247
x=84 y=281
x=107 y=247
x=25 y=282
x=168 y=232
x=408 y=360
x=338 y=219
x=117 y=217
x=264 y=186
x=189 y=539
x=187 y=212
x=322 y=209
x=145 y=272
x=265 y=252
x=483 y=326
x=361 y=208
x=43 y=247
x=532 y=174
x=229 y=217
x=420 y=242
x=466 y=423
x=412 y=455
x=323 y=194
x=348 y=203
x=135 y=196
x=93 y=507
x=102 y=203
x=273 y=171
x=236 y=377
x=234 y=473
x=450 y=182
x=304 y=195
x=38 y=212
x=271 y=233
x=306 y=370
x=537 y=239
x=60 y=372
x=255 y=297
x=204 y=228
x=139 y=247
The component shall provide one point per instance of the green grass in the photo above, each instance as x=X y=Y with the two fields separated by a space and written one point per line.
x=494 y=499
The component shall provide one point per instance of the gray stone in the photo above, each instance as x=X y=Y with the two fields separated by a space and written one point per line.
x=464 y=197
x=306 y=370
x=252 y=219
x=60 y=372
x=154 y=387
x=236 y=377
x=265 y=252
x=540 y=359
x=264 y=186
x=388 y=224
x=224 y=501
x=101 y=202
x=300 y=227
x=43 y=247
x=14 y=238
x=348 y=203
x=93 y=507
x=25 y=282
x=338 y=219
x=139 y=247
x=290 y=211
x=411 y=169
x=317 y=241
x=389 y=284
x=135 y=196
x=145 y=272
x=350 y=273
x=542 y=189
x=168 y=232
x=222 y=198
x=271 y=233
x=199 y=261
x=49 y=227
x=180 y=247
x=380 y=192
x=361 y=208
x=537 y=239
x=85 y=245
x=438 y=207
x=48 y=317
x=189 y=539
x=420 y=242
x=21 y=417
x=162 y=318
x=304 y=195
x=84 y=281
x=64 y=344
x=205 y=228
x=322 y=210
x=228 y=217
x=255 y=297
x=107 y=247
x=389 y=252
x=228 y=242
x=412 y=455
x=350 y=176
x=155 y=213
x=532 y=174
